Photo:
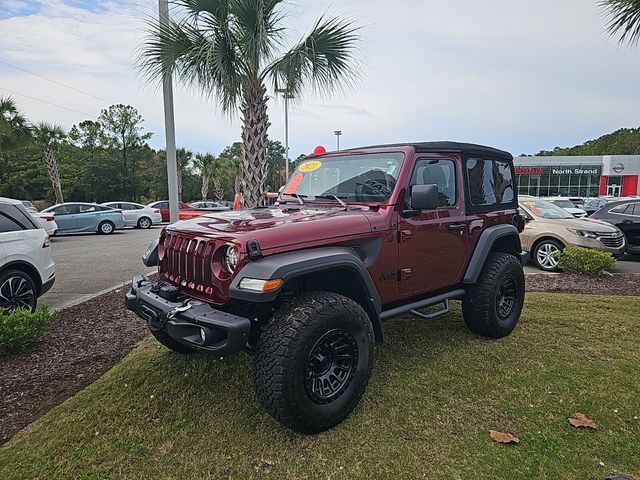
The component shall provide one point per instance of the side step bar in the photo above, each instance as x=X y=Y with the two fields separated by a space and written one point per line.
x=428 y=316
x=427 y=302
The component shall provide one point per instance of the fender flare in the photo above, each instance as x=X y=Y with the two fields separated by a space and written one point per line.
x=484 y=246
x=291 y=265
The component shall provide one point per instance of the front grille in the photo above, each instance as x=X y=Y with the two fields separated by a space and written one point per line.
x=611 y=240
x=187 y=262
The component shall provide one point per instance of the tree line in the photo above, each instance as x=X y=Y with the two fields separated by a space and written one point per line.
x=109 y=158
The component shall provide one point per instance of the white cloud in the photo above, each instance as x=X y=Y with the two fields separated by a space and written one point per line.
x=517 y=75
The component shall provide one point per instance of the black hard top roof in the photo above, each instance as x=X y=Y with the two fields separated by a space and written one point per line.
x=447 y=147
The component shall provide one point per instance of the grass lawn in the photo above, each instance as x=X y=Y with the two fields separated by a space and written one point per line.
x=435 y=392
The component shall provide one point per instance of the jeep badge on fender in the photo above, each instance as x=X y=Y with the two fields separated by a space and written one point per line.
x=356 y=237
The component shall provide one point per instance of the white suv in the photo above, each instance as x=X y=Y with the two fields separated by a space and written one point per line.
x=27 y=270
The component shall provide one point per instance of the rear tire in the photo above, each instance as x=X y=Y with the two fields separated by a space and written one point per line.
x=172 y=344
x=144 y=223
x=313 y=361
x=492 y=306
x=17 y=290
x=106 y=228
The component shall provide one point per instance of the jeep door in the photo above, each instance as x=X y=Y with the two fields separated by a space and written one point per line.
x=432 y=245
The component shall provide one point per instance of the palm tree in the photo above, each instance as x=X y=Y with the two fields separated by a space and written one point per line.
x=231 y=49
x=48 y=136
x=183 y=159
x=623 y=19
x=205 y=163
x=14 y=127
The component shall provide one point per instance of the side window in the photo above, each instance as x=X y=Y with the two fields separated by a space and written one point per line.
x=622 y=209
x=437 y=172
x=636 y=209
x=490 y=182
x=66 y=210
x=8 y=222
x=126 y=206
x=87 y=208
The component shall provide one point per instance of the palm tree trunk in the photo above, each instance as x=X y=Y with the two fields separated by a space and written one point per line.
x=204 y=191
x=54 y=175
x=255 y=123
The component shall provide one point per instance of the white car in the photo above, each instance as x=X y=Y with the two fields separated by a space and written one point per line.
x=137 y=215
x=46 y=221
x=566 y=204
x=27 y=270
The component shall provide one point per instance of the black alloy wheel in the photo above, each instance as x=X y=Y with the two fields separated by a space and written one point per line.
x=506 y=297
x=330 y=365
x=17 y=290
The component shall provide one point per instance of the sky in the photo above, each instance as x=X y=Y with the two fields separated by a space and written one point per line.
x=514 y=74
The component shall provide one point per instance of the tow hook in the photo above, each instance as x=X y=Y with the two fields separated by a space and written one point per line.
x=174 y=311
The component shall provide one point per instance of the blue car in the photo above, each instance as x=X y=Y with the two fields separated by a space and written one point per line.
x=86 y=217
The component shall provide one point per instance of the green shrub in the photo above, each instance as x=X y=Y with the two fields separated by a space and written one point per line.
x=21 y=328
x=585 y=261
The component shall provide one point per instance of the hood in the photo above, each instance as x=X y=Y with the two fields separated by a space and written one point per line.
x=279 y=226
x=587 y=224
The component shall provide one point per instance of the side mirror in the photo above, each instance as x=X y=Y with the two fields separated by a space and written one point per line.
x=523 y=213
x=424 y=197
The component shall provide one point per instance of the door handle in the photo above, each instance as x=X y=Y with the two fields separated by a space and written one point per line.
x=456 y=227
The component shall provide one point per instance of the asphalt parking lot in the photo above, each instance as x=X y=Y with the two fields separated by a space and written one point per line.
x=88 y=264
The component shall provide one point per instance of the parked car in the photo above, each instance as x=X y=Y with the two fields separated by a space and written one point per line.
x=624 y=214
x=46 y=221
x=29 y=206
x=568 y=205
x=592 y=205
x=357 y=237
x=136 y=215
x=78 y=217
x=27 y=270
x=163 y=206
x=577 y=201
x=210 y=206
x=549 y=228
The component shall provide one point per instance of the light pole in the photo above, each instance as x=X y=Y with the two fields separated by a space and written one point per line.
x=338 y=133
x=169 y=128
x=285 y=93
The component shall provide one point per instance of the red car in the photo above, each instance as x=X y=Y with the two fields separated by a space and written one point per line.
x=163 y=206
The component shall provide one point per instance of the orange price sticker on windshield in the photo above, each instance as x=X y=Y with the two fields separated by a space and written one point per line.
x=294 y=183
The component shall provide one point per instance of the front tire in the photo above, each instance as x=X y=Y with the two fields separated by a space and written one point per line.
x=545 y=255
x=313 y=361
x=106 y=228
x=17 y=290
x=492 y=306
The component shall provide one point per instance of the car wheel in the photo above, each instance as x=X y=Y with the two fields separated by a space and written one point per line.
x=544 y=255
x=144 y=222
x=172 y=344
x=313 y=361
x=17 y=290
x=106 y=228
x=492 y=306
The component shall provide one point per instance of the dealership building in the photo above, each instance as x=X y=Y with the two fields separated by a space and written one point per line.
x=580 y=176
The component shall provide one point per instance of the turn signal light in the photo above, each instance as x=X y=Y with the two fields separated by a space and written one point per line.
x=257 y=285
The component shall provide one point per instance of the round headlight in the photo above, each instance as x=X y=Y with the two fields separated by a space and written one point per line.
x=231 y=258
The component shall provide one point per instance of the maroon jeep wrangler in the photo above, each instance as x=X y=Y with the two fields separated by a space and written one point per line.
x=356 y=237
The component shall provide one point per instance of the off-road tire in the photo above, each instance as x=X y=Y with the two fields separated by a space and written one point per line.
x=283 y=356
x=546 y=243
x=481 y=306
x=144 y=223
x=103 y=231
x=172 y=344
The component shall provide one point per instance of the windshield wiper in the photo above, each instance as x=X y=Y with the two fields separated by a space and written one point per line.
x=335 y=197
x=297 y=196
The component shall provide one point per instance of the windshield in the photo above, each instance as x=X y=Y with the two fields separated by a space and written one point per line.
x=563 y=203
x=544 y=209
x=358 y=178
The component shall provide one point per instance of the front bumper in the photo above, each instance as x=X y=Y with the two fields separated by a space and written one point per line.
x=617 y=252
x=224 y=332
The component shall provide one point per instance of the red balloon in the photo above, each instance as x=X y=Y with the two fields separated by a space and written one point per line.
x=319 y=150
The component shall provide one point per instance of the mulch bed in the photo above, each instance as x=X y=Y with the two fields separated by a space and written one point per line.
x=91 y=337
x=618 y=284
x=86 y=340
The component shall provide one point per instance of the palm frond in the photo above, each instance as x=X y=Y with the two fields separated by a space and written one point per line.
x=326 y=59
x=623 y=19
x=49 y=133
